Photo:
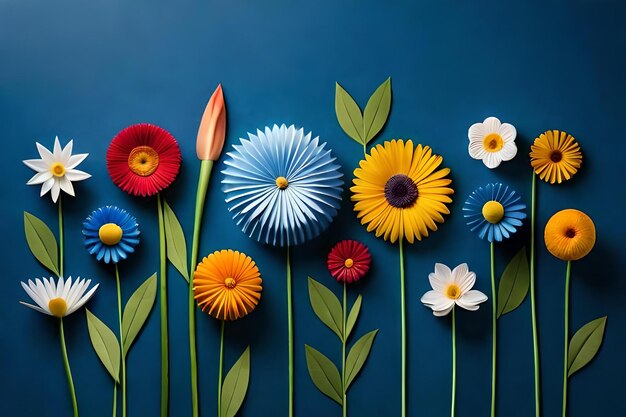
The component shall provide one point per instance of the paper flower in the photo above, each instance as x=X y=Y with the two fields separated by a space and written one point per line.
x=57 y=169
x=58 y=300
x=348 y=261
x=227 y=284
x=143 y=159
x=282 y=186
x=492 y=142
x=555 y=156
x=110 y=234
x=398 y=191
x=570 y=235
x=452 y=288
x=494 y=212
x=212 y=130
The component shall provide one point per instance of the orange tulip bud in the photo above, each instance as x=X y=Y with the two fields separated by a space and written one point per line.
x=212 y=131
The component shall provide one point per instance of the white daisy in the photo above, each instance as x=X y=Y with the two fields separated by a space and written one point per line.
x=492 y=142
x=452 y=288
x=55 y=170
x=58 y=300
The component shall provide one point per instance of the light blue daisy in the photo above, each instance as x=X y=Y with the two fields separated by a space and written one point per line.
x=494 y=211
x=110 y=234
x=282 y=187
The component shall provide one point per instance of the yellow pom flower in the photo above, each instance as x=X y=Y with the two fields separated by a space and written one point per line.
x=555 y=156
x=570 y=235
x=398 y=191
x=227 y=284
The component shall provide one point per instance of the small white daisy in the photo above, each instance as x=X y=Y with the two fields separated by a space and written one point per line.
x=452 y=288
x=492 y=142
x=58 y=300
x=56 y=170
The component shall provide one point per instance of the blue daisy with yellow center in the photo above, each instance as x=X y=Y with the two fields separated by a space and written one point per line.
x=111 y=233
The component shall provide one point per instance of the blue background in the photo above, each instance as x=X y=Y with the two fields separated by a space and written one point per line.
x=85 y=70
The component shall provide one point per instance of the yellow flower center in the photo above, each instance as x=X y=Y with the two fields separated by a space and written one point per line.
x=348 y=263
x=143 y=160
x=57 y=169
x=282 y=183
x=58 y=307
x=453 y=292
x=230 y=283
x=493 y=142
x=110 y=234
x=493 y=211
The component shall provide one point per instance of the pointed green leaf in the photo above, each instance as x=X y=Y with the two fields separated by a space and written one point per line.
x=235 y=385
x=514 y=283
x=353 y=316
x=324 y=374
x=358 y=355
x=585 y=345
x=326 y=306
x=105 y=344
x=41 y=242
x=175 y=238
x=348 y=114
x=137 y=310
x=377 y=110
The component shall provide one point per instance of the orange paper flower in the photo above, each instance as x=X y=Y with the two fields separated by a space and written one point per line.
x=570 y=235
x=555 y=156
x=212 y=131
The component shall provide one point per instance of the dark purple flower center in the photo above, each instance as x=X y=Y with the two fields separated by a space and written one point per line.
x=400 y=191
x=556 y=156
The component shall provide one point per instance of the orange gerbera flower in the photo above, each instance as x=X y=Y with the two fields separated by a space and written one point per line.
x=555 y=156
x=570 y=235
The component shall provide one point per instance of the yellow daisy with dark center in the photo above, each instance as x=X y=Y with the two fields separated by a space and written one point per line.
x=555 y=156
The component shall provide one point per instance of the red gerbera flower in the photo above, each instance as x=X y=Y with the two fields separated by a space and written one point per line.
x=143 y=159
x=348 y=261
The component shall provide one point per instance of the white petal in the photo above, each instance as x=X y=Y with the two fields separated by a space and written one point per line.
x=508 y=132
x=75 y=160
x=76 y=175
x=459 y=272
x=67 y=152
x=38 y=165
x=57 y=149
x=432 y=298
x=66 y=185
x=444 y=311
x=443 y=273
x=60 y=287
x=471 y=299
x=468 y=282
x=508 y=151
x=32 y=292
x=46 y=288
x=83 y=300
x=35 y=308
x=436 y=282
x=491 y=125
x=68 y=286
x=56 y=189
x=77 y=291
x=477 y=150
x=40 y=178
x=45 y=154
x=492 y=160
x=47 y=186
x=476 y=132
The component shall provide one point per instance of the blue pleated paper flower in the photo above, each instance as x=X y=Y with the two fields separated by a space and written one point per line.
x=110 y=234
x=282 y=187
x=494 y=211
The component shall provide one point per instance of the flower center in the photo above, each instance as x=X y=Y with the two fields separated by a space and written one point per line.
x=453 y=292
x=230 y=283
x=143 y=160
x=348 y=263
x=556 y=156
x=571 y=233
x=57 y=169
x=282 y=183
x=493 y=211
x=493 y=142
x=58 y=307
x=110 y=234
x=401 y=191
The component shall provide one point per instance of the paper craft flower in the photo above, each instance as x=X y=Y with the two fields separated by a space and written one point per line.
x=212 y=130
x=452 y=288
x=58 y=300
x=570 y=235
x=282 y=186
x=57 y=169
x=398 y=191
x=227 y=284
x=494 y=212
x=492 y=142
x=110 y=234
x=143 y=159
x=348 y=261
x=555 y=156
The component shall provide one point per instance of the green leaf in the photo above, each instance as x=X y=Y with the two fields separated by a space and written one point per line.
x=348 y=114
x=175 y=239
x=514 y=283
x=236 y=385
x=326 y=306
x=41 y=242
x=353 y=316
x=358 y=355
x=137 y=310
x=324 y=374
x=105 y=344
x=377 y=110
x=585 y=345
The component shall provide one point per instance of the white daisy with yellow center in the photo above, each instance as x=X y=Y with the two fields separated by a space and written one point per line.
x=56 y=169
x=492 y=142
x=58 y=299
x=452 y=288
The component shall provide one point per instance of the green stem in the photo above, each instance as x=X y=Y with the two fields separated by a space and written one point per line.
x=364 y=149
x=566 y=336
x=68 y=371
x=452 y=407
x=290 y=332
x=403 y=329
x=119 y=315
x=60 y=237
x=533 y=308
x=114 y=399
x=203 y=183
x=493 y=336
x=344 y=403
x=165 y=366
x=221 y=366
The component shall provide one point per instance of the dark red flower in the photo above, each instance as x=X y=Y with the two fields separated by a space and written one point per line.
x=348 y=261
x=143 y=159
